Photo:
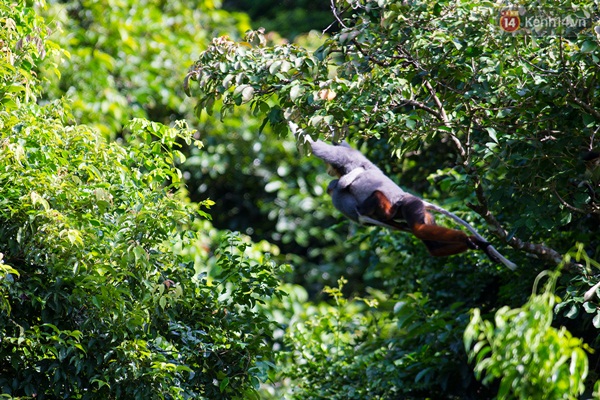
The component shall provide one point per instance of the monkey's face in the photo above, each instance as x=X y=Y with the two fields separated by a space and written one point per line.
x=332 y=186
x=332 y=171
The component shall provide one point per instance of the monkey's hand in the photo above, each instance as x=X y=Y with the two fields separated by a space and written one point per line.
x=346 y=180
x=477 y=244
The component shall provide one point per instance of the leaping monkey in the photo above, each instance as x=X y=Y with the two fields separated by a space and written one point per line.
x=366 y=195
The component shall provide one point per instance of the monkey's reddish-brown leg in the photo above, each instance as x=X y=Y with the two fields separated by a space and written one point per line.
x=439 y=241
x=439 y=234
x=442 y=241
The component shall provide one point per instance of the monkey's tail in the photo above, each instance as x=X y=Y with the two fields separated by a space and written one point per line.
x=490 y=250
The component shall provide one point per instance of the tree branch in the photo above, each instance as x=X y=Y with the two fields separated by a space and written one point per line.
x=543 y=252
x=419 y=105
x=482 y=209
x=334 y=10
x=446 y=121
x=570 y=207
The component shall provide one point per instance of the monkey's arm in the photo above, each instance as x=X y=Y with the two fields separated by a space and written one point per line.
x=363 y=219
x=346 y=180
x=342 y=157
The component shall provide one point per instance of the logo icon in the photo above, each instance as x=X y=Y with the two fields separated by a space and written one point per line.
x=509 y=20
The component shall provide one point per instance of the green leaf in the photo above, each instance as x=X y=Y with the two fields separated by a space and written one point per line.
x=573 y=312
x=589 y=46
x=589 y=307
x=247 y=94
x=223 y=385
x=596 y=321
x=492 y=133
x=274 y=67
x=295 y=92
x=37 y=199
x=423 y=373
x=140 y=254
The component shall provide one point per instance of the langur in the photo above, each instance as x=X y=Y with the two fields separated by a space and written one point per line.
x=363 y=193
x=439 y=242
x=347 y=204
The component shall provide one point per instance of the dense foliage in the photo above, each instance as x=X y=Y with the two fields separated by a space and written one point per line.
x=115 y=281
x=134 y=56
x=288 y=18
x=496 y=90
x=108 y=288
x=505 y=124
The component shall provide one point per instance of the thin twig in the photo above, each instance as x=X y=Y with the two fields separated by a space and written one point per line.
x=337 y=17
x=446 y=121
x=419 y=105
x=570 y=207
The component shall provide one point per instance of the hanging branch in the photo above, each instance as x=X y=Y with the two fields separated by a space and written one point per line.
x=482 y=209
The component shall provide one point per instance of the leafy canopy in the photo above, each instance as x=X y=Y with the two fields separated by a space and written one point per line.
x=497 y=121
x=106 y=285
x=517 y=108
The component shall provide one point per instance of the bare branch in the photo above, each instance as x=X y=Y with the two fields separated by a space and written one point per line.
x=586 y=106
x=570 y=207
x=334 y=10
x=446 y=121
x=540 y=250
x=417 y=104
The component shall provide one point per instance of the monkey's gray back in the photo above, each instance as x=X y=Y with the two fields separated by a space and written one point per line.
x=372 y=180
x=345 y=159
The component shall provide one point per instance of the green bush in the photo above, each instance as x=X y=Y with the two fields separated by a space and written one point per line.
x=106 y=285
x=531 y=358
x=103 y=303
x=375 y=348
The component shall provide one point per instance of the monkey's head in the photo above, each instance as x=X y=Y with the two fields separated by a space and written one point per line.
x=332 y=171
x=340 y=159
x=331 y=187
